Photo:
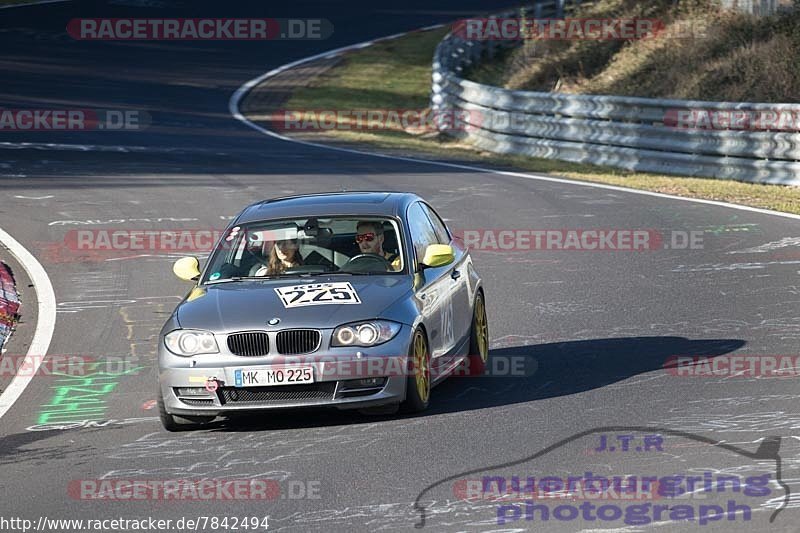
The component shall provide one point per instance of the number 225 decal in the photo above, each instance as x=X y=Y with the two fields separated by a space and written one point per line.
x=318 y=294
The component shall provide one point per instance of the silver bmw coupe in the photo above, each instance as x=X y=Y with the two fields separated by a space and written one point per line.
x=351 y=300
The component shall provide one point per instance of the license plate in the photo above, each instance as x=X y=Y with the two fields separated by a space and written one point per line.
x=261 y=377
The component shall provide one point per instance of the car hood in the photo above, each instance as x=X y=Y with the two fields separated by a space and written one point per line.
x=246 y=305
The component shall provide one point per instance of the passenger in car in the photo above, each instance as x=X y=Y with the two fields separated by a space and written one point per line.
x=284 y=254
x=370 y=239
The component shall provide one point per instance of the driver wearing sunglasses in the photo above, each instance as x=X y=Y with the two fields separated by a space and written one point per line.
x=369 y=237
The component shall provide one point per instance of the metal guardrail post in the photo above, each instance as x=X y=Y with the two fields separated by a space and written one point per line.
x=491 y=44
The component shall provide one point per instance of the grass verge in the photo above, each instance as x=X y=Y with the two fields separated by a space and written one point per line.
x=402 y=68
x=703 y=53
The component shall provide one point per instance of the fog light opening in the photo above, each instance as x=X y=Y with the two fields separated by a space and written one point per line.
x=366 y=383
x=193 y=392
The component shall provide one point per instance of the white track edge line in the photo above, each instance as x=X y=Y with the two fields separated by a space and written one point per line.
x=45 y=324
x=27 y=4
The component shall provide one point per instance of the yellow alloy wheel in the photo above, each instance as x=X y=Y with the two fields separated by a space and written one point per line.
x=422 y=371
x=481 y=329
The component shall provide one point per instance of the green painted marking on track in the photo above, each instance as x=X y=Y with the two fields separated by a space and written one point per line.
x=81 y=396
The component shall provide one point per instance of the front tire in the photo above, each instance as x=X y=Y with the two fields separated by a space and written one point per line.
x=418 y=384
x=178 y=423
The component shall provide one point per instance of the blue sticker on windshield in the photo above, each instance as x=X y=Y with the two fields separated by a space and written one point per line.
x=214 y=276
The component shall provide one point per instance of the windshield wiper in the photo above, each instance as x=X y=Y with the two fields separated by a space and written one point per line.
x=254 y=278
x=224 y=280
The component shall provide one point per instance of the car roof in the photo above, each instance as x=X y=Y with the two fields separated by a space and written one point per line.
x=366 y=203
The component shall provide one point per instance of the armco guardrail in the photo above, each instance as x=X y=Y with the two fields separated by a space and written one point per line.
x=640 y=134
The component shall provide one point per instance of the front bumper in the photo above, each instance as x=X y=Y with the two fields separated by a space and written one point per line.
x=335 y=373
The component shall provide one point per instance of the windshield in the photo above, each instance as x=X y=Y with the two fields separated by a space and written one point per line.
x=307 y=246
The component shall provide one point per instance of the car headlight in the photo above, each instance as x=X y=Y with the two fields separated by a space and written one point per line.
x=370 y=333
x=188 y=342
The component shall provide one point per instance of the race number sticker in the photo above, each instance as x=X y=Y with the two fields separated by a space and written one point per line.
x=447 y=324
x=318 y=294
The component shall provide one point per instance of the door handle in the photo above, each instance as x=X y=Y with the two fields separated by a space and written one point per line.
x=455 y=274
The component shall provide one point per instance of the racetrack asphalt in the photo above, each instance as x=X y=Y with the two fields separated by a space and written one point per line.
x=598 y=326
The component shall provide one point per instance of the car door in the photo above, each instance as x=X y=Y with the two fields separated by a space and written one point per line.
x=458 y=272
x=431 y=285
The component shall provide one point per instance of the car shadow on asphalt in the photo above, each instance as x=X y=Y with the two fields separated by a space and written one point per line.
x=564 y=368
x=518 y=374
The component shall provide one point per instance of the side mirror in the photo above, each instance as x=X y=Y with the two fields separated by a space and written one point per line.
x=187 y=268
x=437 y=255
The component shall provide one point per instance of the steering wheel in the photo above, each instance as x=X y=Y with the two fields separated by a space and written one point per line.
x=367 y=263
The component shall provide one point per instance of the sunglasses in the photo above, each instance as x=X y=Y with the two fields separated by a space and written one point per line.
x=369 y=237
